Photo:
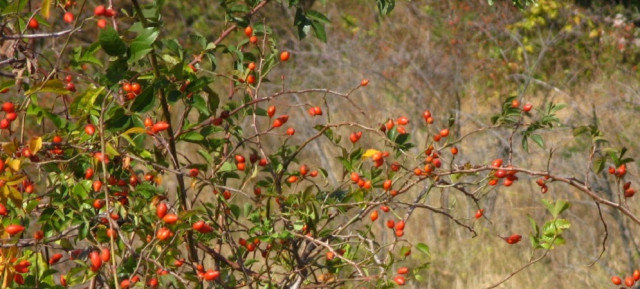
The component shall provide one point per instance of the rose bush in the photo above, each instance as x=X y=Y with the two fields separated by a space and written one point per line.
x=123 y=167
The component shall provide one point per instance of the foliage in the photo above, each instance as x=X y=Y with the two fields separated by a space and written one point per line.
x=120 y=154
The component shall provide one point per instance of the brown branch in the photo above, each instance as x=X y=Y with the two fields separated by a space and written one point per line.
x=32 y=242
x=39 y=35
x=182 y=192
x=567 y=180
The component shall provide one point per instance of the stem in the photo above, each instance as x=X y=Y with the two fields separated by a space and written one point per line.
x=182 y=193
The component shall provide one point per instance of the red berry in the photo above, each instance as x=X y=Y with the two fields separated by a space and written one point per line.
x=527 y=107
x=170 y=219
x=285 y=55
x=399 y=280
x=161 y=210
x=374 y=216
x=110 y=12
x=628 y=193
x=88 y=174
x=11 y=116
x=136 y=88
x=271 y=110
x=55 y=258
x=159 y=126
x=197 y=226
x=33 y=23
x=426 y=115
x=211 y=275
x=102 y=23
x=304 y=170
x=386 y=185
x=89 y=129
x=68 y=17
x=13 y=229
x=513 y=239
x=8 y=107
x=248 y=31
x=355 y=177
x=99 y=10
x=621 y=171
x=98 y=204
x=629 y=281
x=403 y=120
x=390 y=224
x=330 y=255
x=616 y=280
x=163 y=234
x=105 y=255
x=96 y=262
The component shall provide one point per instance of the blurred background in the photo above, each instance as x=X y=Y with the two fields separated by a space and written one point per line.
x=461 y=59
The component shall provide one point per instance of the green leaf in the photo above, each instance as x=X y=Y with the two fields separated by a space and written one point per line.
x=227 y=167
x=557 y=107
x=318 y=31
x=555 y=228
x=555 y=208
x=559 y=208
x=599 y=163
x=52 y=85
x=580 y=130
x=117 y=70
x=317 y=17
x=302 y=23
x=423 y=248
x=534 y=226
x=548 y=204
x=88 y=55
x=145 y=100
x=111 y=43
x=7 y=84
x=205 y=155
x=385 y=6
x=192 y=136
x=142 y=44
x=119 y=120
x=404 y=250
x=537 y=139
x=82 y=104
